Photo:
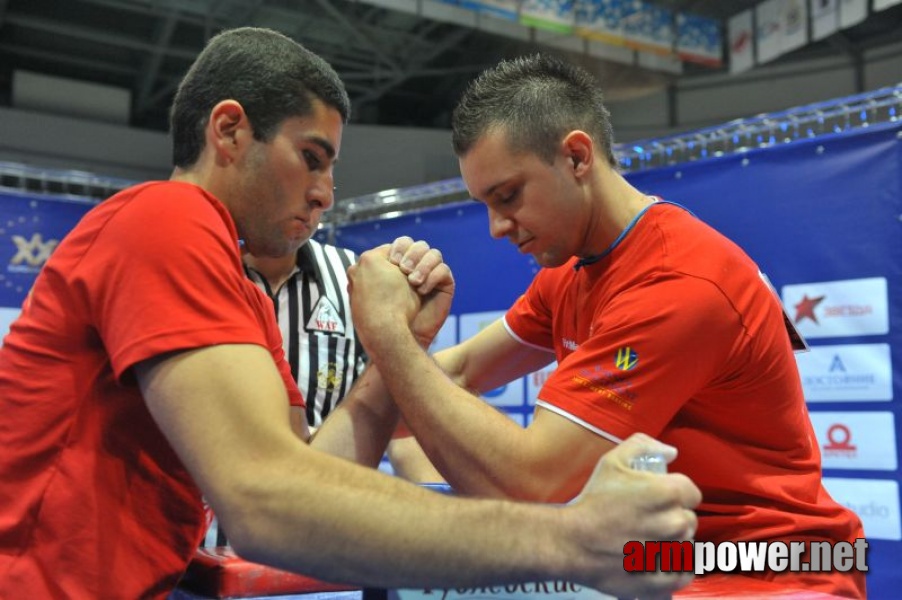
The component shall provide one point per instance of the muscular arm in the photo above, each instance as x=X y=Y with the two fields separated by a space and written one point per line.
x=481 y=363
x=288 y=505
x=476 y=448
x=490 y=358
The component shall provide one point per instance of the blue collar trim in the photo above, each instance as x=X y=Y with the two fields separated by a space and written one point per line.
x=589 y=260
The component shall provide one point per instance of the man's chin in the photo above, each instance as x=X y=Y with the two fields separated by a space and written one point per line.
x=549 y=261
x=274 y=250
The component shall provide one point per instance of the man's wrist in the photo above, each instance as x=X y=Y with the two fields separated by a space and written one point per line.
x=389 y=335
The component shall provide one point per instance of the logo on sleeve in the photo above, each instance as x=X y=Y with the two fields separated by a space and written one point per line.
x=626 y=358
x=325 y=317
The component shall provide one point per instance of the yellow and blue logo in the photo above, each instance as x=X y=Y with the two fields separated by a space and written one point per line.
x=626 y=358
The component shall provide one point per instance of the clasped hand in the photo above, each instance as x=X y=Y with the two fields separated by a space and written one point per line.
x=402 y=283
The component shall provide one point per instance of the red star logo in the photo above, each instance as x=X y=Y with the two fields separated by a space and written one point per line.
x=805 y=308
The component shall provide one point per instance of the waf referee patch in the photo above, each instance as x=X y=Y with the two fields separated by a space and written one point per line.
x=325 y=318
x=626 y=358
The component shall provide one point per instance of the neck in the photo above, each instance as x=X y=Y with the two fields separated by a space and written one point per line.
x=276 y=270
x=615 y=204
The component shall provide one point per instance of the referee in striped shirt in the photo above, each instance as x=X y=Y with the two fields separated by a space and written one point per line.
x=310 y=298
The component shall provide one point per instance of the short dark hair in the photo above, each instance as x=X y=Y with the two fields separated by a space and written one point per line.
x=270 y=75
x=535 y=100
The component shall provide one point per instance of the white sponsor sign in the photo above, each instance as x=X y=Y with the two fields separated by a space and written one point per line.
x=875 y=501
x=852 y=12
x=824 y=18
x=506 y=395
x=850 y=373
x=794 y=25
x=741 y=36
x=838 y=308
x=768 y=30
x=856 y=440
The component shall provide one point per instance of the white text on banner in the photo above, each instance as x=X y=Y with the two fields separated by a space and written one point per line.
x=875 y=501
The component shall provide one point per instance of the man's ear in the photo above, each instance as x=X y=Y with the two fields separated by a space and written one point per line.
x=579 y=149
x=228 y=129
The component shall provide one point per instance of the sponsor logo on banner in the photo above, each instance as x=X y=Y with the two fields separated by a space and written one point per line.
x=875 y=501
x=856 y=440
x=741 y=35
x=850 y=373
x=547 y=590
x=839 y=308
x=31 y=253
x=505 y=396
x=30 y=230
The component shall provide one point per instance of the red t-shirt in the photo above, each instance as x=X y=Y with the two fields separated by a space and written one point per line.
x=674 y=334
x=94 y=503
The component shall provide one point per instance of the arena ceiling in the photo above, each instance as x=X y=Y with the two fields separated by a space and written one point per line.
x=400 y=68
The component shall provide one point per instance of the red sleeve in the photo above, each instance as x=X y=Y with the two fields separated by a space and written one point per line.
x=653 y=348
x=165 y=275
x=530 y=317
x=295 y=396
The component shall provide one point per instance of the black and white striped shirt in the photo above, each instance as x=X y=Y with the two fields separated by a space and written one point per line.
x=314 y=315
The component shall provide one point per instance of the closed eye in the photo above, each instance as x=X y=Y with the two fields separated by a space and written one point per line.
x=314 y=162
x=509 y=198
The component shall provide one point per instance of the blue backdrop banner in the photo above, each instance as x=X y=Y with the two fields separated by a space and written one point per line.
x=31 y=226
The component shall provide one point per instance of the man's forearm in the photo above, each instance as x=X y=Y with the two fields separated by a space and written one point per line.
x=362 y=527
x=468 y=441
x=337 y=521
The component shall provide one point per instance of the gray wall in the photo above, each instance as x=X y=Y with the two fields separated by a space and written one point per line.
x=372 y=158
x=704 y=101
